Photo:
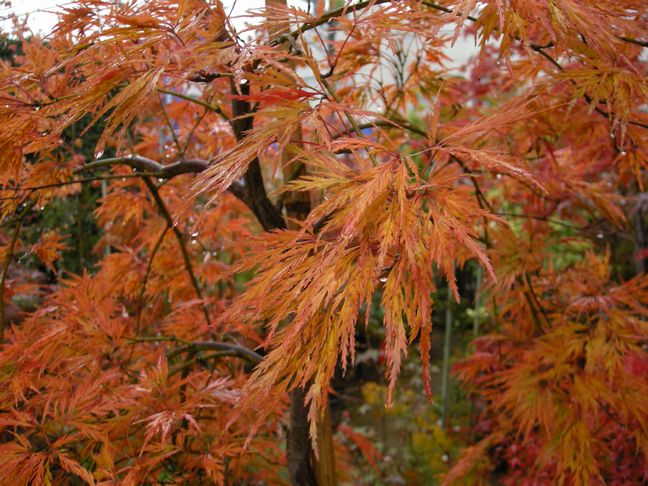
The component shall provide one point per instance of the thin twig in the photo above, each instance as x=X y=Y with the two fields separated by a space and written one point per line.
x=198 y=101
x=481 y=198
x=157 y=339
x=325 y=18
x=140 y=297
x=80 y=181
x=169 y=123
x=236 y=349
x=639 y=42
x=183 y=367
x=536 y=299
x=542 y=218
x=193 y=129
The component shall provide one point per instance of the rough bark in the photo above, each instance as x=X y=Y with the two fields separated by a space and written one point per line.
x=325 y=463
x=298 y=446
x=304 y=466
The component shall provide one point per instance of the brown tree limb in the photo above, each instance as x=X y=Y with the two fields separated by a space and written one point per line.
x=191 y=166
x=326 y=17
x=305 y=465
x=187 y=365
x=7 y=261
x=533 y=294
x=638 y=42
x=255 y=194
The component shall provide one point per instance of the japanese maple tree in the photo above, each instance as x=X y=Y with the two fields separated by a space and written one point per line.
x=260 y=191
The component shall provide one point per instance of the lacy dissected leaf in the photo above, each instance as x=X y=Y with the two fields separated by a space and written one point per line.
x=49 y=248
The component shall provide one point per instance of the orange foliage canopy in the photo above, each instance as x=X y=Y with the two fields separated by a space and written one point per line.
x=205 y=311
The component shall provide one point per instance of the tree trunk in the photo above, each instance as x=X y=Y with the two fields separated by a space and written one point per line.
x=305 y=468
x=298 y=447
x=325 y=463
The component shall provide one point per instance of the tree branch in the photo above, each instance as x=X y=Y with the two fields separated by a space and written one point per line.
x=191 y=166
x=181 y=242
x=5 y=267
x=639 y=42
x=76 y=181
x=481 y=198
x=235 y=350
x=185 y=366
x=149 y=266
x=542 y=218
x=255 y=194
x=169 y=124
x=536 y=299
x=338 y=12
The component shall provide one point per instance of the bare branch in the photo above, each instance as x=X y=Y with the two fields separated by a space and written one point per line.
x=169 y=124
x=192 y=166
